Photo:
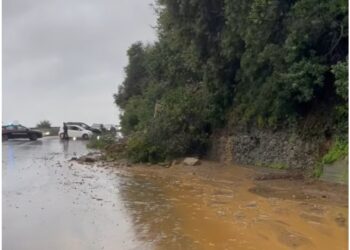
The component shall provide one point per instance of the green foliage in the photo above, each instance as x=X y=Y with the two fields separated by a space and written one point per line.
x=181 y=126
x=136 y=75
x=278 y=165
x=101 y=142
x=275 y=165
x=345 y=176
x=44 y=124
x=318 y=170
x=338 y=150
x=215 y=63
x=140 y=148
x=340 y=71
x=289 y=49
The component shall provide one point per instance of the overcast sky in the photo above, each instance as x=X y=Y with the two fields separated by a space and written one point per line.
x=63 y=60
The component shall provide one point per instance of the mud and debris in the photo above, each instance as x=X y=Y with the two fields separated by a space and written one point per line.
x=280 y=176
x=53 y=202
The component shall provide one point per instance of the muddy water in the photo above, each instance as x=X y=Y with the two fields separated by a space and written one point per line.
x=51 y=203
x=211 y=207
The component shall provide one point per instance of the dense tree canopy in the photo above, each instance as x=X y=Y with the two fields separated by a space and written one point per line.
x=258 y=62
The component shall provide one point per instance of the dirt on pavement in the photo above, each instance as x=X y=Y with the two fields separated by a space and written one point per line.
x=228 y=207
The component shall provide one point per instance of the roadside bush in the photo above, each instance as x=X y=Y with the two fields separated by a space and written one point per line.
x=181 y=126
x=141 y=148
x=340 y=71
x=318 y=170
x=100 y=142
x=336 y=152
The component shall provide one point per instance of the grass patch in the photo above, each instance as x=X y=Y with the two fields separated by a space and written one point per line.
x=318 y=170
x=345 y=176
x=278 y=165
x=338 y=150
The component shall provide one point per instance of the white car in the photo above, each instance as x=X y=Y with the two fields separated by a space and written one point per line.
x=75 y=131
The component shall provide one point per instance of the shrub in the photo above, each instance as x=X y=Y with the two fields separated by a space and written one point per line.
x=318 y=170
x=336 y=152
x=181 y=126
x=100 y=142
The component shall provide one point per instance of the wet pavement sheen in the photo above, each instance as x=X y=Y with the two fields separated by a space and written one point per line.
x=50 y=203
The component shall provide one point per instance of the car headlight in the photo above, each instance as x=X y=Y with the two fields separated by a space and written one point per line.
x=47 y=133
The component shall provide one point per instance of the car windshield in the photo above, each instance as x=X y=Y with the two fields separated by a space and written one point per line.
x=9 y=127
x=84 y=126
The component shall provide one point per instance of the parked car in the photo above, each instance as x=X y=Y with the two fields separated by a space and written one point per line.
x=76 y=131
x=85 y=126
x=98 y=126
x=106 y=127
x=19 y=131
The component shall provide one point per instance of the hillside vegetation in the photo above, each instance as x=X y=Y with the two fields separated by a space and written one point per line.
x=217 y=63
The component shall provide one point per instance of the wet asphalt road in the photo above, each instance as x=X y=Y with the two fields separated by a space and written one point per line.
x=51 y=203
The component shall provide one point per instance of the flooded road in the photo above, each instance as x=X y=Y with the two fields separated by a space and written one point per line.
x=50 y=202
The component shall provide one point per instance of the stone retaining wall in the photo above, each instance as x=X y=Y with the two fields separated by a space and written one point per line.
x=277 y=149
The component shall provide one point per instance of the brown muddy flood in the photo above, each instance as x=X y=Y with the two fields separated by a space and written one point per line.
x=52 y=203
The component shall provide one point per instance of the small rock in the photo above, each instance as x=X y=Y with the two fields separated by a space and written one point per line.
x=239 y=215
x=84 y=159
x=191 y=161
x=164 y=164
x=175 y=162
x=252 y=204
x=340 y=220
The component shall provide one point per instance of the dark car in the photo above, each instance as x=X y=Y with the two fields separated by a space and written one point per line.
x=83 y=125
x=19 y=131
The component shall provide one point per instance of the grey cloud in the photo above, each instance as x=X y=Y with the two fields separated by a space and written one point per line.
x=62 y=60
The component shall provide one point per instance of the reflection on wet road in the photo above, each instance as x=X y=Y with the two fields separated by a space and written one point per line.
x=50 y=202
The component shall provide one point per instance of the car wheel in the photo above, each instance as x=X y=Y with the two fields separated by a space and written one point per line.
x=5 y=137
x=85 y=137
x=33 y=137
